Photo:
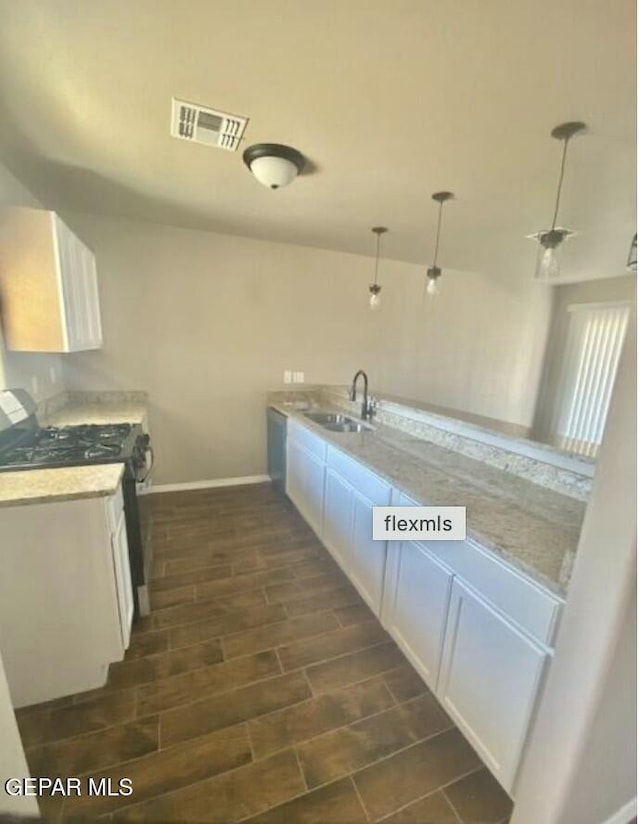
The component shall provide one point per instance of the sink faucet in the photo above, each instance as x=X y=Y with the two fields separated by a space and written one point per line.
x=368 y=407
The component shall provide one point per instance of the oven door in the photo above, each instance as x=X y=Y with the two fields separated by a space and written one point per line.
x=143 y=488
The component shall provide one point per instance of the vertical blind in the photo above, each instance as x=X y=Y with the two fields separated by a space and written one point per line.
x=594 y=342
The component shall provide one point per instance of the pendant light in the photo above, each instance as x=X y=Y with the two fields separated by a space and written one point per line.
x=434 y=272
x=374 y=288
x=550 y=241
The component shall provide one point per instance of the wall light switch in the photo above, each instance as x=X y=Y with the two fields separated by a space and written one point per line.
x=298 y=377
x=287 y=376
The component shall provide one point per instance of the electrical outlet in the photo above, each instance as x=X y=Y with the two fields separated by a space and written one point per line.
x=53 y=376
x=287 y=376
x=298 y=377
x=34 y=386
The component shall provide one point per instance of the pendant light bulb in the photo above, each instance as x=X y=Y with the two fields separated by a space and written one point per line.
x=433 y=287
x=551 y=241
x=375 y=288
x=434 y=272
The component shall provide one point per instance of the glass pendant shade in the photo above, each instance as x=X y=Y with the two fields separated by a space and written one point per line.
x=548 y=266
x=433 y=281
x=374 y=297
x=550 y=246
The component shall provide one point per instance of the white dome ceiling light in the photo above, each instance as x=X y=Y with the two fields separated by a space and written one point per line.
x=273 y=164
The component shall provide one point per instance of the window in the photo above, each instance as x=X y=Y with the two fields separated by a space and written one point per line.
x=594 y=342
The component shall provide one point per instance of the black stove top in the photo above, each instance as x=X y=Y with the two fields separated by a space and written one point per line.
x=55 y=446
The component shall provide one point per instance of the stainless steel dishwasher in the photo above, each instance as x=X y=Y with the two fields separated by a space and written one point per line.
x=277 y=448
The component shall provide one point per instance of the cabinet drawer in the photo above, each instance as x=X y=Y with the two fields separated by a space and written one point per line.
x=368 y=485
x=302 y=436
x=114 y=506
x=534 y=609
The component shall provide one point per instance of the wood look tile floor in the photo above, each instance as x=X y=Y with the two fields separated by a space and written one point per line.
x=261 y=688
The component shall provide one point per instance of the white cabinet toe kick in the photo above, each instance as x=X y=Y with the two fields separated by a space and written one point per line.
x=478 y=631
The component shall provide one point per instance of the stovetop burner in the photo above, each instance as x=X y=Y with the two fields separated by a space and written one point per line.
x=55 y=446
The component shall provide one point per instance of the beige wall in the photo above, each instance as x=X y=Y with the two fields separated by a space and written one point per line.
x=207 y=323
x=595 y=291
x=579 y=764
x=19 y=369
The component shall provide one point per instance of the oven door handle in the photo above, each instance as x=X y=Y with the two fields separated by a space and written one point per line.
x=149 y=450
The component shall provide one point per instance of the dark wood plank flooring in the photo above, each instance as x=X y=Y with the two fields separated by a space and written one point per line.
x=261 y=688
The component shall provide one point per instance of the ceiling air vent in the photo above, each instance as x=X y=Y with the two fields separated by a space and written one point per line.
x=200 y=125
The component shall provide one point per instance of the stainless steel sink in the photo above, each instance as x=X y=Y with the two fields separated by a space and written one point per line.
x=336 y=422
x=325 y=418
x=347 y=426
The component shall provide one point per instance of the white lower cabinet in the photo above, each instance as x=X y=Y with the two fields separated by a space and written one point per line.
x=305 y=484
x=66 y=602
x=416 y=603
x=477 y=630
x=348 y=525
x=338 y=516
x=489 y=679
x=368 y=558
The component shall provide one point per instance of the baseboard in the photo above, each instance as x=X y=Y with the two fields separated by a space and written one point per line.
x=212 y=484
x=625 y=814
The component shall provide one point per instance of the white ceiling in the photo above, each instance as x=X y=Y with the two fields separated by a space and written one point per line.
x=391 y=100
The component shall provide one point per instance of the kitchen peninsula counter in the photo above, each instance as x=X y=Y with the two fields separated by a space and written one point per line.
x=532 y=527
x=39 y=486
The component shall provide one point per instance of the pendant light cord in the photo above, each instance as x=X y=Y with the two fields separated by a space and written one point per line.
x=435 y=251
x=375 y=276
x=564 y=157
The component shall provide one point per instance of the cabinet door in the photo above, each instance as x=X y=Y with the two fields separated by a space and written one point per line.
x=78 y=278
x=70 y=285
x=92 y=327
x=338 y=518
x=489 y=680
x=305 y=484
x=416 y=604
x=367 y=558
x=120 y=550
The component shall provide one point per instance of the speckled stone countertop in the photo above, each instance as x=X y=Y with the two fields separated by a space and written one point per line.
x=37 y=486
x=534 y=528
x=95 y=407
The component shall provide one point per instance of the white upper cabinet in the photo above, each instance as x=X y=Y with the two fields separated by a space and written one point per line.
x=48 y=285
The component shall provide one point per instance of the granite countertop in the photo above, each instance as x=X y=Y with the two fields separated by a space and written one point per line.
x=534 y=528
x=37 y=486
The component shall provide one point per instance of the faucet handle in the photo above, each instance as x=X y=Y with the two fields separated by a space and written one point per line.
x=372 y=406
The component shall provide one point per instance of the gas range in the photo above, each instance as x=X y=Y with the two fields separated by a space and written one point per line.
x=30 y=446
x=25 y=445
